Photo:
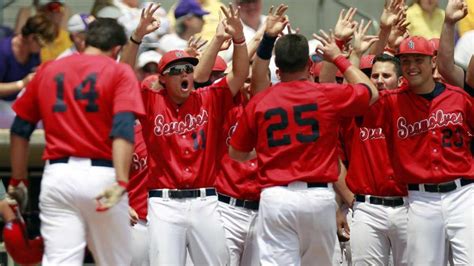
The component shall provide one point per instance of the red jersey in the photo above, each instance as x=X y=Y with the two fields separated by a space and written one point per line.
x=370 y=171
x=236 y=179
x=427 y=136
x=293 y=127
x=183 y=140
x=77 y=97
x=137 y=183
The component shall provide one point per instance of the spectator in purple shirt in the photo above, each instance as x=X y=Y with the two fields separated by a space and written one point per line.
x=19 y=55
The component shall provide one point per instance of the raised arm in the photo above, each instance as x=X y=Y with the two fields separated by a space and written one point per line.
x=331 y=53
x=343 y=31
x=453 y=74
x=203 y=70
x=470 y=73
x=361 y=42
x=148 y=23
x=276 y=22
x=240 y=57
x=393 y=10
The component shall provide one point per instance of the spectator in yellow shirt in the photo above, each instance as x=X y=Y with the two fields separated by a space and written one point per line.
x=211 y=20
x=426 y=19
x=59 y=14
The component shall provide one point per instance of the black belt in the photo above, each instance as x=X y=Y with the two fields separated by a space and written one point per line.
x=248 y=204
x=440 y=188
x=94 y=162
x=311 y=185
x=182 y=193
x=392 y=202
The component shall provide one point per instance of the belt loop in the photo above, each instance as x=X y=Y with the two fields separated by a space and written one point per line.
x=421 y=187
x=166 y=195
x=330 y=186
x=232 y=201
x=458 y=183
x=367 y=198
x=202 y=193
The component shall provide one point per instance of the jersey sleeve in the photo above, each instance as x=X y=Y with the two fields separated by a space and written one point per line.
x=27 y=106
x=127 y=97
x=245 y=138
x=348 y=99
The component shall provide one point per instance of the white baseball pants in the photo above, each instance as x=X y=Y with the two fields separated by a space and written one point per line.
x=140 y=246
x=239 y=226
x=438 y=222
x=375 y=231
x=175 y=225
x=296 y=225
x=69 y=220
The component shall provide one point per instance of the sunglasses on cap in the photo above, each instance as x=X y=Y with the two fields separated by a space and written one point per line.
x=179 y=69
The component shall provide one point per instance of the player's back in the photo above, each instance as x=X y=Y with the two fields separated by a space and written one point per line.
x=77 y=97
x=297 y=125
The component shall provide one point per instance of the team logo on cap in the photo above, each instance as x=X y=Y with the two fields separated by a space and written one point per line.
x=411 y=44
x=179 y=54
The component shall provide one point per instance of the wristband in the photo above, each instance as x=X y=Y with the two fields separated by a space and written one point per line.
x=15 y=182
x=265 y=48
x=122 y=184
x=342 y=63
x=340 y=43
x=390 y=50
x=135 y=41
x=240 y=42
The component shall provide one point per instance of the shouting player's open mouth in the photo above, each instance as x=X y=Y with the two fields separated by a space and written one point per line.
x=185 y=86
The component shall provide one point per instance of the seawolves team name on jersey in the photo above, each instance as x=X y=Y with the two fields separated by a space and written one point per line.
x=371 y=133
x=437 y=119
x=139 y=163
x=190 y=123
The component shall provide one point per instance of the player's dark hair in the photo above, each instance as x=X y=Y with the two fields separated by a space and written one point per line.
x=105 y=33
x=41 y=26
x=291 y=53
x=392 y=59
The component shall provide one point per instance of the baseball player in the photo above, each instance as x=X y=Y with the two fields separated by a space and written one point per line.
x=292 y=128
x=88 y=103
x=182 y=131
x=426 y=125
x=138 y=195
x=379 y=212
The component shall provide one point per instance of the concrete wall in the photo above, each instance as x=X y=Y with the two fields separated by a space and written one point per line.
x=309 y=15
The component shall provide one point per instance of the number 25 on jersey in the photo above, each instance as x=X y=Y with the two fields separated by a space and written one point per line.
x=301 y=116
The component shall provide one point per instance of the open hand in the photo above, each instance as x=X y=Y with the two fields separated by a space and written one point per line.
x=148 y=22
x=345 y=26
x=328 y=48
x=276 y=20
x=232 y=22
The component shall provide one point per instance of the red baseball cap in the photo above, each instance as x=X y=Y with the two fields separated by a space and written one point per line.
x=175 y=56
x=416 y=45
x=219 y=65
x=366 y=61
x=20 y=248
